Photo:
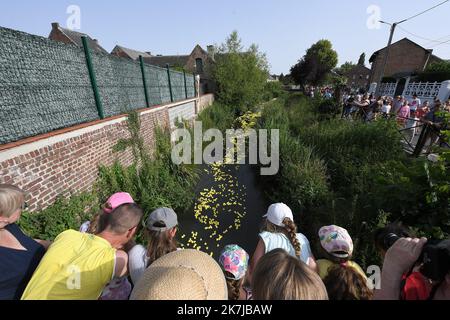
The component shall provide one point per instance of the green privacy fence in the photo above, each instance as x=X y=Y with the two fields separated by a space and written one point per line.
x=46 y=85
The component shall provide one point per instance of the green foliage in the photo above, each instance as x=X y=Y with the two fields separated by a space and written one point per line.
x=152 y=181
x=240 y=76
x=436 y=72
x=345 y=68
x=63 y=215
x=273 y=90
x=352 y=174
x=313 y=68
x=362 y=59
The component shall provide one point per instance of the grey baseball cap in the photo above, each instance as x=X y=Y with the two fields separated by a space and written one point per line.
x=162 y=219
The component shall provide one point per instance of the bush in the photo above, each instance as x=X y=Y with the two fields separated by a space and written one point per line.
x=273 y=90
x=436 y=72
x=64 y=214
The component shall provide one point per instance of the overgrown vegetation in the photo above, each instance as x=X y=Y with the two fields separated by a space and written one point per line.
x=352 y=174
x=153 y=180
x=241 y=75
x=436 y=72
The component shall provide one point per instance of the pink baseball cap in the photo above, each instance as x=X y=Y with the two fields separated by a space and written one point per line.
x=116 y=201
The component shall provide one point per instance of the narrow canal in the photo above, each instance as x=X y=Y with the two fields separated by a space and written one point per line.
x=228 y=210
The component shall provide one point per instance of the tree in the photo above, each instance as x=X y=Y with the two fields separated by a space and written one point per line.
x=345 y=68
x=437 y=71
x=313 y=68
x=240 y=75
x=362 y=59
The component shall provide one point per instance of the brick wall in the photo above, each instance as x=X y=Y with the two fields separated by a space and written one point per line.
x=404 y=56
x=66 y=161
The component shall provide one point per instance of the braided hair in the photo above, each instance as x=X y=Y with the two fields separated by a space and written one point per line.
x=292 y=234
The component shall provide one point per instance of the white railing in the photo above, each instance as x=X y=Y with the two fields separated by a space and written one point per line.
x=388 y=89
x=424 y=90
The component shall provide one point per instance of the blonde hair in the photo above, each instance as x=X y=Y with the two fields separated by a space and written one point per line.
x=290 y=230
x=280 y=276
x=11 y=199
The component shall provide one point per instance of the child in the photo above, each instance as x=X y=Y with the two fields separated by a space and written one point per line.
x=345 y=283
x=338 y=247
x=234 y=263
x=403 y=114
x=161 y=229
x=118 y=289
x=280 y=232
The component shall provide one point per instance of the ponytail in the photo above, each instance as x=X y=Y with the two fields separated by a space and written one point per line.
x=291 y=229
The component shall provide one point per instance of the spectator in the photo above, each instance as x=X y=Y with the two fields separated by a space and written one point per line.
x=414 y=285
x=345 y=283
x=234 y=263
x=338 y=247
x=280 y=232
x=78 y=266
x=98 y=222
x=437 y=123
x=280 y=276
x=19 y=254
x=415 y=103
x=397 y=104
x=386 y=108
x=161 y=229
x=403 y=114
x=120 y=288
x=401 y=258
x=423 y=110
x=182 y=275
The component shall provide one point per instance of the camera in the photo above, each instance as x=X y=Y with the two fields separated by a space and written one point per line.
x=434 y=260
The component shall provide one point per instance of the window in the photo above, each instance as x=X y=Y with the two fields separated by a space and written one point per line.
x=199 y=65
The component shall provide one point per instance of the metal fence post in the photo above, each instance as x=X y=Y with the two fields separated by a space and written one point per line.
x=144 y=80
x=170 y=82
x=185 y=84
x=195 y=86
x=98 y=101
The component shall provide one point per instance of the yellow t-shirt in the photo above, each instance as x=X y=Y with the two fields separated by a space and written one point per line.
x=77 y=266
x=325 y=265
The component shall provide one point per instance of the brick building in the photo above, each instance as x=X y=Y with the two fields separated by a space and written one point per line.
x=358 y=77
x=72 y=37
x=406 y=59
x=199 y=61
x=129 y=53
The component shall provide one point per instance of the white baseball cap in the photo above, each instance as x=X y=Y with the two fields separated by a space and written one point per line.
x=277 y=213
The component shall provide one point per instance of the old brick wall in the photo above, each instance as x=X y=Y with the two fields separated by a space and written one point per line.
x=404 y=56
x=66 y=162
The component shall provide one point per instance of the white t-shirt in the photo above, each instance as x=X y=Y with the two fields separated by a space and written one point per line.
x=386 y=108
x=137 y=262
x=274 y=241
x=415 y=104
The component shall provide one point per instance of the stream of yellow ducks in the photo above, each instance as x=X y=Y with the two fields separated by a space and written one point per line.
x=208 y=208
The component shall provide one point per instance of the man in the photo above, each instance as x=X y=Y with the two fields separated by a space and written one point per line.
x=398 y=103
x=415 y=103
x=400 y=258
x=78 y=266
x=436 y=121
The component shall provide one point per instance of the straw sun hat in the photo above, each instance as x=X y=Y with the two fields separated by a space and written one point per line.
x=182 y=275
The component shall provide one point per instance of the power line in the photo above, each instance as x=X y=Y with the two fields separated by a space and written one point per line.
x=437 y=42
x=423 y=12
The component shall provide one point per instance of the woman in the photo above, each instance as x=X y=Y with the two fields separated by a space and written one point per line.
x=280 y=232
x=161 y=229
x=19 y=254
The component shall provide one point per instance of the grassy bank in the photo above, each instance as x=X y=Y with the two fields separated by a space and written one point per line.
x=351 y=174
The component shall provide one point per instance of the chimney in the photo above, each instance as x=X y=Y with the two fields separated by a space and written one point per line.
x=148 y=52
x=55 y=25
x=211 y=51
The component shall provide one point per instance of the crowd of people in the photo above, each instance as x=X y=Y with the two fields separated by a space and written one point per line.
x=410 y=114
x=101 y=261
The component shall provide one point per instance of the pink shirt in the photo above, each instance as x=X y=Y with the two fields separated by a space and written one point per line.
x=404 y=112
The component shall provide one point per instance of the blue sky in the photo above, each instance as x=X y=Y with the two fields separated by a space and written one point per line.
x=284 y=29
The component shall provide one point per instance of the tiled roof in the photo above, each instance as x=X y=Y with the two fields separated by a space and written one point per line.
x=133 y=54
x=162 y=61
x=76 y=39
